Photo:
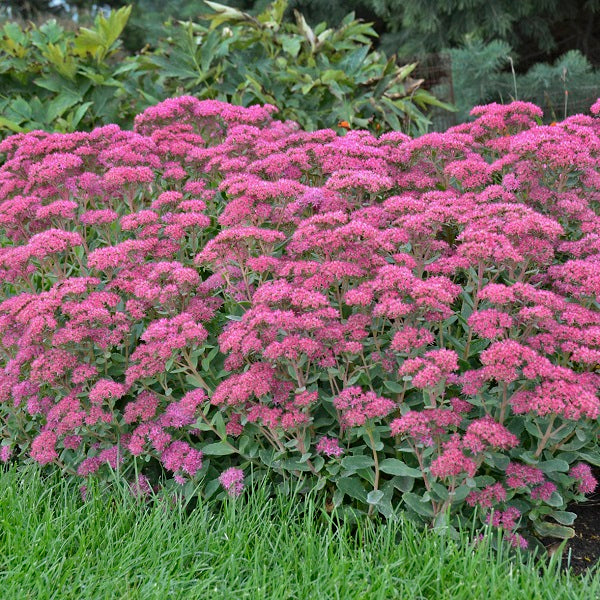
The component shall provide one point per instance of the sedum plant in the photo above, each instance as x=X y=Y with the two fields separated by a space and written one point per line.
x=218 y=296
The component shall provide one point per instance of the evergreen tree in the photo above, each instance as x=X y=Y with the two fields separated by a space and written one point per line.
x=537 y=30
x=34 y=9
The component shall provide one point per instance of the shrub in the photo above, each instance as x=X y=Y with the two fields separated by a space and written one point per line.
x=61 y=80
x=481 y=73
x=316 y=77
x=219 y=295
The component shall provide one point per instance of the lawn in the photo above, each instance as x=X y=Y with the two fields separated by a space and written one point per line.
x=54 y=545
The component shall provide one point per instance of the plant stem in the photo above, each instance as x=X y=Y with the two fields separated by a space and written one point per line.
x=377 y=473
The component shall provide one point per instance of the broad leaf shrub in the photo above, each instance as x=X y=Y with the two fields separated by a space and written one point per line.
x=218 y=295
x=60 y=80
x=317 y=77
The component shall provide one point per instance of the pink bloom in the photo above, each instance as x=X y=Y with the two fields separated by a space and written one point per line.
x=140 y=488
x=143 y=407
x=452 y=462
x=433 y=369
x=180 y=457
x=89 y=466
x=423 y=425
x=72 y=442
x=233 y=481
x=356 y=406
x=43 y=447
x=490 y=323
x=461 y=406
x=544 y=491
x=519 y=475
x=329 y=447
x=488 y=496
x=507 y=519
x=583 y=474
x=516 y=540
x=234 y=426
x=5 y=452
x=106 y=389
x=485 y=432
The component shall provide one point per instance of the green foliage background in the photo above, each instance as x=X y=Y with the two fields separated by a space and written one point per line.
x=496 y=50
x=60 y=79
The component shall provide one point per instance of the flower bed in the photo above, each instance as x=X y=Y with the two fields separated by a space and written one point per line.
x=218 y=294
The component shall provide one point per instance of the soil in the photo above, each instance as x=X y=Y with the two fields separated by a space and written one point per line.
x=582 y=552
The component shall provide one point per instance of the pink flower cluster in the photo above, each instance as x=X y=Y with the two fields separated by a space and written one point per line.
x=219 y=278
x=329 y=447
x=233 y=481
x=587 y=483
x=357 y=407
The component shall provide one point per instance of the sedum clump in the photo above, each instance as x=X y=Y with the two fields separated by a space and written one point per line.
x=218 y=295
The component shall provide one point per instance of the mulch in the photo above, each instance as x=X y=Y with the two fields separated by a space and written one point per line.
x=582 y=552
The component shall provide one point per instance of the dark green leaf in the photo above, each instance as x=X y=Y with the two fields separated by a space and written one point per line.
x=353 y=488
x=352 y=463
x=393 y=466
x=415 y=503
x=218 y=449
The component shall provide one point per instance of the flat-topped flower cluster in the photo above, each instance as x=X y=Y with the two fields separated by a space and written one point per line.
x=390 y=320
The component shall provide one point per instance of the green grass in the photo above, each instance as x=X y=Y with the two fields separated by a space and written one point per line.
x=52 y=545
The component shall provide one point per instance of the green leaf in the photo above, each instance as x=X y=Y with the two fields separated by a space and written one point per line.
x=20 y=107
x=477 y=347
x=500 y=461
x=60 y=104
x=294 y=464
x=353 y=488
x=63 y=63
x=305 y=30
x=291 y=45
x=211 y=487
x=352 y=463
x=374 y=496
x=219 y=424
x=553 y=465
x=218 y=449
x=353 y=60
x=79 y=114
x=546 y=529
x=113 y=26
x=460 y=493
x=225 y=14
x=416 y=503
x=591 y=457
x=208 y=359
x=99 y=41
x=440 y=490
x=7 y=124
x=338 y=497
x=404 y=484
x=393 y=466
x=394 y=386
x=564 y=517
x=52 y=82
x=555 y=500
